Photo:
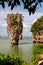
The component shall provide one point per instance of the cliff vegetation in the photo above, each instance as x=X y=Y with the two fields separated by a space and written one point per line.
x=38 y=25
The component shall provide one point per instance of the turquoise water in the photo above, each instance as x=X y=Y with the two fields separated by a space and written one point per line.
x=23 y=49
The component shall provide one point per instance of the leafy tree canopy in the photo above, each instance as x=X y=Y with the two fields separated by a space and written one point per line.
x=30 y=5
x=38 y=25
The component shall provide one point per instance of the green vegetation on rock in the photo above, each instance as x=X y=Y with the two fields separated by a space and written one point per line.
x=14 y=21
x=37 y=51
x=38 y=25
x=11 y=60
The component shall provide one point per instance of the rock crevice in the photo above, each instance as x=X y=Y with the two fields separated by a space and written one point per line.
x=38 y=37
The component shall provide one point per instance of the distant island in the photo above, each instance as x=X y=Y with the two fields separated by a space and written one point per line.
x=3 y=37
x=24 y=37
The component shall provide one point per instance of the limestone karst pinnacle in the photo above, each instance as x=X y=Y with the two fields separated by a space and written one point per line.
x=15 y=27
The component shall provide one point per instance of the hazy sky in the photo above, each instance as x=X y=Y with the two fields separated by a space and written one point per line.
x=27 y=20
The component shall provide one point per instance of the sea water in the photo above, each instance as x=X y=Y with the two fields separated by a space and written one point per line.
x=23 y=49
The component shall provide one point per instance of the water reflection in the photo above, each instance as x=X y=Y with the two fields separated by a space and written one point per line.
x=23 y=50
x=14 y=49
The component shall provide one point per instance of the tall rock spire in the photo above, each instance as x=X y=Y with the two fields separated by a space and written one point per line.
x=14 y=27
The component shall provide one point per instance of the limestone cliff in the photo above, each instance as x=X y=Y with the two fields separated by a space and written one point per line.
x=37 y=30
x=14 y=27
x=38 y=37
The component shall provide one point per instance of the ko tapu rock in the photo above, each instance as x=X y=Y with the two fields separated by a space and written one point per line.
x=14 y=27
x=37 y=30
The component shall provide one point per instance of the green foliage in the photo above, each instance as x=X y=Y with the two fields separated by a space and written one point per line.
x=15 y=29
x=30 y=5
x=14 y=21
x=37 y=50
x=38 y=25
x=11 y=60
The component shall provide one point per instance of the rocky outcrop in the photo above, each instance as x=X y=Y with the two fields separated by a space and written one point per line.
x=37 y=30
x=14 y=27
x=40 y=62
x=38 y=37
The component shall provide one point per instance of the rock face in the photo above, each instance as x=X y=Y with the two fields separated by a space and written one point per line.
x=40 y=62
x=38 y=37
x=14 y=27
x=37 y=30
